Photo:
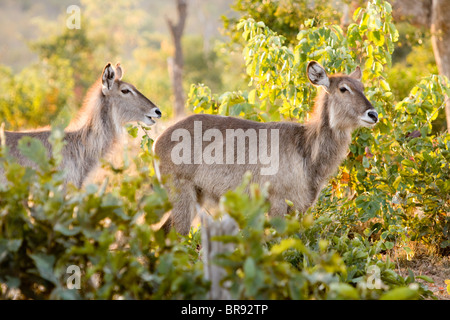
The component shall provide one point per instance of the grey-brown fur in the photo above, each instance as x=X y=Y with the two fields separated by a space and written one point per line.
x=96 y=129
x=308 y=153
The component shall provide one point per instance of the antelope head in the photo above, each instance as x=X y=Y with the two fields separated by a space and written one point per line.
x=129 y=104
x=348 y=107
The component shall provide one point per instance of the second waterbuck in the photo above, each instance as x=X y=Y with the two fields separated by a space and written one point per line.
x=203 y=156
x=109 y=104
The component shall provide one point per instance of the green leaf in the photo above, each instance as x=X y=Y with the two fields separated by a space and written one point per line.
x=132 y=130
x=426 y=278
x=44 y=264
x=445 y=244
x=387 y=7
x=252 y=96
x=344 y=291
x=65 y=230
x=13 y=245
x=402 y=293
x=365 y=162
x=396 y=182
x=278 y=224
x=12 y=282
x=376 y=38
x=357 y=13
x=408 y=163
x=249 y=267
x=389 y=245
x=260 y=24
x=285 y=245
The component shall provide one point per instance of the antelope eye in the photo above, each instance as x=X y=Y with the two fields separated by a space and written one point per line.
x=125 y=91
x=343 y=89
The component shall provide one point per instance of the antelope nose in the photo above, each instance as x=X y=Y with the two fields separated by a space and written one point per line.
x=373 y=115
x=158 y=112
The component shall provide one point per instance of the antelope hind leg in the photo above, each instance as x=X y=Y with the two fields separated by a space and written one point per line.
x=183 y=212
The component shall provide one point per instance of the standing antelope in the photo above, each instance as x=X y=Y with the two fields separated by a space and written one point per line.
x=109 y=104
x=305 y=154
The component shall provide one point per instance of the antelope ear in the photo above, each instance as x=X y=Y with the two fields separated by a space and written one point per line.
x=108 y=77
x=357 y=74
x=317 y=75
x=119 y=71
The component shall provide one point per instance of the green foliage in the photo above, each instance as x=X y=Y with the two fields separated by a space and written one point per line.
x=413 y=59
x=69 y=65
x=283 y=17
x=201 y=64
x=394 y=187
x=46 y=229
x=79 y=53
x=36 y=94
x=277 y=72
x=292 y=259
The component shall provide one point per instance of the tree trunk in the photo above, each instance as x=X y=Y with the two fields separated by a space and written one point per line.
x=176 y=63
x=211 y=248
x=440 y=38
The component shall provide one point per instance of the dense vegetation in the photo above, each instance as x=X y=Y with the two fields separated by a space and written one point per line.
x=392 y=189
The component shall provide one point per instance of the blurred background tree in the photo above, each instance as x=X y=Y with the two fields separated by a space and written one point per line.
x=46 y=66
x=434 y=17
x=176 y=62
x=285 y=16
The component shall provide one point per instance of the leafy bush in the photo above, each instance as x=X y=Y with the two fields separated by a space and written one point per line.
x=25 y=95
x=45 y=228
x=303 y=258
x=48 y=232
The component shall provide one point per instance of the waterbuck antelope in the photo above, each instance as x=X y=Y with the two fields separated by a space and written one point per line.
x=302 y=156
x=109 y=104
